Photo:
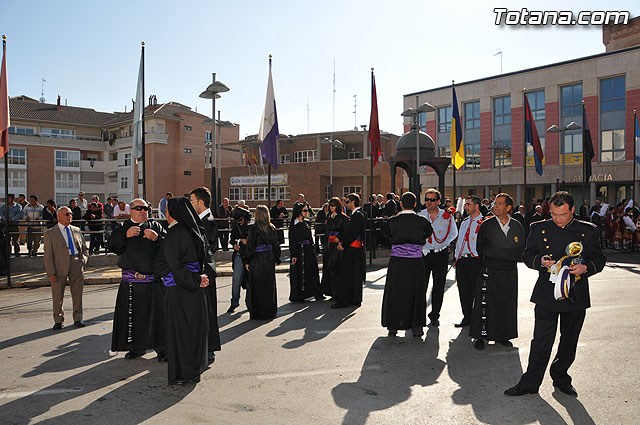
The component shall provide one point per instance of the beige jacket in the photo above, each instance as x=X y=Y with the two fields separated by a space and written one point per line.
x=56 y=253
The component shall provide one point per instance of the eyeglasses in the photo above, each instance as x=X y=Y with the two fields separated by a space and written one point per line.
x=346 y=202
x=141 y=208
x=431 y=200
x=305 y=210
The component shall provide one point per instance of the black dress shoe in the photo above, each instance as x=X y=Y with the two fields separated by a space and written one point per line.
x=79 y=324
x=232 y=309
x=518 y=391
x=417 y=332
x=462 y=324
x=392 y=332
x=186 y=381
x=57 y=326
x=338 y=305
x=134 y=354
x=434 y=322
x=162 y=357
x=567 y=389
x=479 y=344
x=319 y=297
x=211 y=357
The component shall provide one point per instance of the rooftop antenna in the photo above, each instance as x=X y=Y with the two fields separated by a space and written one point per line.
x=308 y=109
x=333 y=128
x=42 y=99
x=500 y=53
x=355 y=112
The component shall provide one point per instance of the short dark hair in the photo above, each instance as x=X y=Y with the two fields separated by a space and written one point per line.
x=34 y=197
x=389 y=195
x=475 y=199
x=202 y=194
x=11 y=195
x=355 y=198
x=23 y=195
x=408 y=200
x=560 y=198
x=171 y=194
x=51 y=202
x=432 y=191
x=508 y=200
x=109 y=198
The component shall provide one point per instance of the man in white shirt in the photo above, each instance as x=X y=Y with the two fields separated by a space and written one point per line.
x=435 y=252
x=467 y=262
x=65 y=255
x=83 y=204
x=121 y=211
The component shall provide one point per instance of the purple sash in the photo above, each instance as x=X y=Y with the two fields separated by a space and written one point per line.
x=263 y=248
x=133 y=276
x=333 y=233
x=406 y=250
x=169 y=280
x=305 y=242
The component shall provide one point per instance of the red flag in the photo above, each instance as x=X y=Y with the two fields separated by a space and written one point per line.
x=374 y=127
x=4 y=105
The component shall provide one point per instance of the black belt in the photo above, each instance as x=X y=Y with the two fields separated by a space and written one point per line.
x=435 y=251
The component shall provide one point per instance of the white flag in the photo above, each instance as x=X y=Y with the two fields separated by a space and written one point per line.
x=138 y=112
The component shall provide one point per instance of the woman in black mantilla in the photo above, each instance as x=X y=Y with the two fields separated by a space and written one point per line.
x=337 y=221
x=261 y=253
x=180 y=262
x=303 y=275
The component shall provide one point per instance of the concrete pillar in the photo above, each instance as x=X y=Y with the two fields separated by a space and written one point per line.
x=519 y=196
x=365 y=189
x=592 y=193
x=487 y=192
x=554 y=188
x=611 y=194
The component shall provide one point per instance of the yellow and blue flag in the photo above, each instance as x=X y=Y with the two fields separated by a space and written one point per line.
x=457 y=145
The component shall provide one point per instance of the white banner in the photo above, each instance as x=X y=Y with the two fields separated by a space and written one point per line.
x=261 y=180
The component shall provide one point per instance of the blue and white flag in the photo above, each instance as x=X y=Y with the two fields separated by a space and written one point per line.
x=269 y=126
x=138 y=113
x=636 y=154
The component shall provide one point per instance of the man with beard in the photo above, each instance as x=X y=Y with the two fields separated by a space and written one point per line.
x=500 y=245
x=138 y=319
x=201 y=201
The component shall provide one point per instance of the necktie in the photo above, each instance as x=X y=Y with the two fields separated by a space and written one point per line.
x=70 y=241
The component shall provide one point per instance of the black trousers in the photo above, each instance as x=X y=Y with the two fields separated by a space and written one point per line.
x=467 y=272
x=223 y=236
x=544 y=335
x=436 y=263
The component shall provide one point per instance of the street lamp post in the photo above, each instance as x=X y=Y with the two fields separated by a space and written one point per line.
x=211 y=92
x=333 y=143
x=500 y=147
x=555 y=129
x=415 y=113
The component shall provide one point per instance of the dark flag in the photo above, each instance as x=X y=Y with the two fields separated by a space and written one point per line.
x=374 y=126
x=531 y=136
x=587 y=146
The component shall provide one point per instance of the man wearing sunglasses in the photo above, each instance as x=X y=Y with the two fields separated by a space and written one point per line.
x=136 y=324
x=435 y=253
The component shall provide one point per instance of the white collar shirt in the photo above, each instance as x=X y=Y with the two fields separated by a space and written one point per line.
x=63 y=230
x=444 y=230
x=467 y=242
x=204 y=213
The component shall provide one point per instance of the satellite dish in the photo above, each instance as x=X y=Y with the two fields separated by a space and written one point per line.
x=42 y=99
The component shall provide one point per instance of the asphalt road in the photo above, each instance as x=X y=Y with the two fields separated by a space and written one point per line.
x=315 y=365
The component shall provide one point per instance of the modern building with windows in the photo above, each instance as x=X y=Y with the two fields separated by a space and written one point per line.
x=492 y=115
x=57 y=150
x=305 y=166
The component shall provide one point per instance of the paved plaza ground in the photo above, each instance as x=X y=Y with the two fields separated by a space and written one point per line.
x=316 y=365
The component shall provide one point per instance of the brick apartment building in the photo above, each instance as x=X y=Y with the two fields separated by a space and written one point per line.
x=304 y=167
x=58 y=150
x=492 y=113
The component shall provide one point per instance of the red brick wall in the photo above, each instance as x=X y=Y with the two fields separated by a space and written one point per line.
x=485 y=140
x=551 y=139
x=591 y=108
x=517 y=137
x=40 y=172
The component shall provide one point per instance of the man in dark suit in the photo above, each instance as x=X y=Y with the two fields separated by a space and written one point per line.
x=546 y=244
x=201 y=200
x=224 y=212
x=65 y=255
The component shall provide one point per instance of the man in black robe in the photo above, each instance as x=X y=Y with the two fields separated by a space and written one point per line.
x=500 y=245
x=224 y=212
x=239 y=232
x=201 y=201
x=278 y=215
x=404 y=305
x=547 y=244
x=138 y=319
x=351 y=270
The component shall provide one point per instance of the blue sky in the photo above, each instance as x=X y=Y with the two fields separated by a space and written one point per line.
x=88 y=51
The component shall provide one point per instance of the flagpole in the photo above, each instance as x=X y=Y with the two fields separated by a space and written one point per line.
x=453 y=153
x=144 y=156
x=584 y=160
x=635 y=126
x=371 y=241
x=524 y=153
x=269 y=177
x=6 y=176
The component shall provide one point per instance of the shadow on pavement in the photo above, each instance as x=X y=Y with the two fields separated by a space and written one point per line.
x=49 y=332
x=393 y=365
x=484 y=375
x=112 y=384
x=575 y=409
x=317 y=320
